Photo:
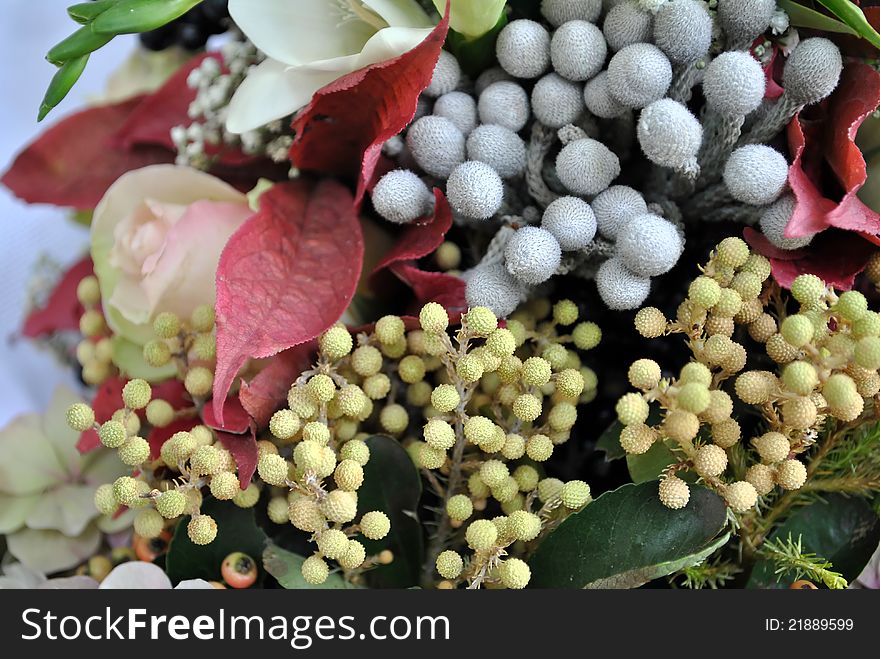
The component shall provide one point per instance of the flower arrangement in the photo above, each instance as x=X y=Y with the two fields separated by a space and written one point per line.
x=388 y=293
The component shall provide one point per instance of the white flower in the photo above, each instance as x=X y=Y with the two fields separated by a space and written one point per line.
x=311 y=43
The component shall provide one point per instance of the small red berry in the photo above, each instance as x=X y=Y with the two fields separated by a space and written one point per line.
x=239 y=570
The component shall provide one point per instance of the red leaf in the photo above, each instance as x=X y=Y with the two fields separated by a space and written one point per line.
x=772 y=73
x=836 y=257
x=62 y=310
x=342 y=130
x=75 y=161
x=439 y=287
x=244 y=451
x=263 y=395
x=158 y=436
x=236 y=420
x=172 y=392
x=811 y=207
x=421 y=238
x=286 y=275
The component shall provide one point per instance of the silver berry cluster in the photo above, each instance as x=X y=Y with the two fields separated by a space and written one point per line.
x=582 y=152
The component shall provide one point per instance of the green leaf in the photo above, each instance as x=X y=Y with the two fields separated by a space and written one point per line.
x=648 y=466
x=82 y=42
x=392 y=485
x=626 y=538
x=844 y=531
x=236 y=531
x=475 y=55
x=132 y=16
x=86 y=12
x=853 y=16
x=801 y=16
x=286 y=567
x=62 y=82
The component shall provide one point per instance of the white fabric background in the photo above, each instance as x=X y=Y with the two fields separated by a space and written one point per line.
x=28 y=375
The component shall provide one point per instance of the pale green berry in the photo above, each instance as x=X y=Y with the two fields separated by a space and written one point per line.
x=91 y=323
x=797 y=330
x=526 y=477
x=449 y=564
x=198 y=381
x=439 y=434
x=351 y=400
x=332 y=543
x=681 y=425
x=315 y=570
x=740 y=496
x=433 y=318
x=800 y=378
x=470 y=368
x=501 y=342
x=867 y=325
x=166 y=325
x=526 y=407
x=481 y=321
x=747 y=284
x=693 y=397
x=637 y=438
x=459 y=507
x=631 y=409
x=481 y=535
x=159 y=413
x=772 y=447
x=305 y=515
x=729 y=304
x=205 y=460
x=674 y=492
x=112 y=434
x=322 y=388
x=394 y=419
x=705 y=292
x=335 y=343
x=649 y=322
x=204 y=347
x=224 y=486
x=445 y=398
x=88 y=291
x=557 y=355
x=339 y=506
x=354 y=555
x=81 y=417
x=710 y=460
x=276 y=510
x=867 y=353
x=791 y=474
x=535 y=372
x=248 y=497
x=349 y=475
x=755 y=387
x=148 y=523
x=317 y=432
x=506 y=490
x=644 y=374
x=105 y=500
x=366 y=360
x=394 y=350
x=202 y=318
x=807 y=289
x=272 y=469
x=523 y=525
x=851 y=305
x=732 y=252
x=514 y=573
x=562 y=416
x=549 y=489
x=376 y=386
x=514 y=446
x=389 y=330
x=157 y=353
x=202 y=529
x=476 y=486
x=135 y=451
x=570 y=383
x=171 y=504
x=493 y=472
x=284 y=424
x=375 y=525
x=575 y=494
x=539 y=448
x=840 y=391
x=355 y=449
x=412 y=369
x=587 y=336
x=565 y=312
x=519 y=331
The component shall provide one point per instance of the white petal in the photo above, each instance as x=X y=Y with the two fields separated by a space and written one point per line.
x=28 y=463
x=194 y=584
x=390 y=43
x=68 y=509
x=273 y=90
x=52 y=551
x=299 y=32
x=69 y=583
x=14 y=510
x=400 y=13
x=136 y=574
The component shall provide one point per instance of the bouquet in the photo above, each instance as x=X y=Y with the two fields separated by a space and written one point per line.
x=465 y=294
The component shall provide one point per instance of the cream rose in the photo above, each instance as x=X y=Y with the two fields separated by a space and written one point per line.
x=157 y=236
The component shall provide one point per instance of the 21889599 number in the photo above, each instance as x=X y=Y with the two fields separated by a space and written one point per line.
x=809 y=624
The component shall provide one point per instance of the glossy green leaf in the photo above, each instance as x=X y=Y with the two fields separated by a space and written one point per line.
x=801 y=16
x=85 y=12
x=132 y=16
x=648 y=466
x=236 y=531
x=626 y=538
x=853 y=16
x=609 y=442
x=286 y=567
x=82 y=42
x=62 y=82
x=392 y=485
x=844 y=531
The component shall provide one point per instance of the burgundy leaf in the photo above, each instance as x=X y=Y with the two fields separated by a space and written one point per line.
x=244 y=451
x=421 y=238
x=62 y=310
x=236 y=420
x=267 y=390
